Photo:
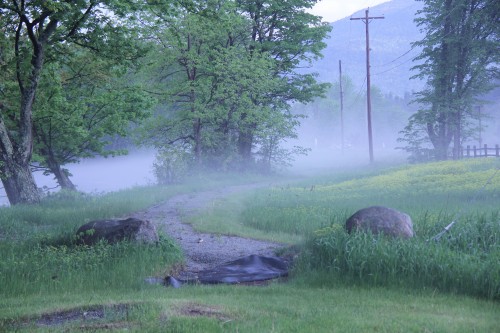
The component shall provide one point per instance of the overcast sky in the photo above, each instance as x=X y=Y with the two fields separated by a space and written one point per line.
x=333 y=10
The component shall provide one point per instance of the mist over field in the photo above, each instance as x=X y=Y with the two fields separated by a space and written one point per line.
x=320 y=132
x=322 y=138
x=100 y=175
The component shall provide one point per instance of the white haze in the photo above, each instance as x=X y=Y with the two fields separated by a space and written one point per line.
x=326 y=151
x=100 y=175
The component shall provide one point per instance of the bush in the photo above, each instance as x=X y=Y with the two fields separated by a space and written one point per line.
x=171 y=165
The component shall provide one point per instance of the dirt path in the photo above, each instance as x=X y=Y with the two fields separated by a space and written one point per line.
x=203 y=251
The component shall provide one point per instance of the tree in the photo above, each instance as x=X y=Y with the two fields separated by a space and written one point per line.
x=241 y=84
x=80 y=106
x=229 y=87
x=459 y=63
x=208 y=79
x=188 y=46
x=36 y=30
x=293 y=39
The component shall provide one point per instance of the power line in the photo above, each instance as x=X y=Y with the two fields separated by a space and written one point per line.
x=395 y=59
x=402 y=55
x=390 y=69
x=358 y=94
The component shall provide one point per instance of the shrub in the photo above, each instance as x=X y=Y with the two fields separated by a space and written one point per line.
x=171 y=165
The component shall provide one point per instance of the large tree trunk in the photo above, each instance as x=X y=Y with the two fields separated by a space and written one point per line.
x=15 y=153
x=440 y=134
x=63 y=180
x=62 y=175
x=197 y=141
x=15 y=171
x=245 y=143
x=19 y=183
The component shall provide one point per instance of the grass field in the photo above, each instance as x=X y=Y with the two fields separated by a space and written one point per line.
x=340 y=283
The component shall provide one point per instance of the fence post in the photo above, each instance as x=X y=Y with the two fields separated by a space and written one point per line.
x=485 y=150
x=475 y=152
x=497 y=150
x=468 y=151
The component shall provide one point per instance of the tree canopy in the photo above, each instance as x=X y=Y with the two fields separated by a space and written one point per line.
x=225 y=74
x=81 y=106
x=36 y=33
x=459 y=62
x=229 y=76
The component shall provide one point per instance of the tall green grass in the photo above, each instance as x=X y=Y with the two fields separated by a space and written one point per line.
x=40 y=254
x=38 y=268
x=376 y=260
x=42 y=271
x=466 y=260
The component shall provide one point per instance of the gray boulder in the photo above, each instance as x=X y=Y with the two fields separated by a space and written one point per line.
x=117 y=230
x=378 y=219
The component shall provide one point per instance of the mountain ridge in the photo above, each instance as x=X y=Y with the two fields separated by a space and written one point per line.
x=390 y=44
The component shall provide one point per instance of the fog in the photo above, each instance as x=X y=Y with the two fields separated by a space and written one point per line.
x=321 y=136
x=321 y=131
x=101 y=175
x=320 y=160
x=326 y=152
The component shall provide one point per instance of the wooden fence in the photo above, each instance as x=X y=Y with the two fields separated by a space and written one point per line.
x=481 y=152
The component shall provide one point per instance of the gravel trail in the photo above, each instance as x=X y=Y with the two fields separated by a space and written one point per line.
x=204 y=251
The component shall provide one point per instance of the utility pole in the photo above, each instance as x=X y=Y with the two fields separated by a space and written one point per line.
x=366 y=20
x=341 y=108
x=480 y=127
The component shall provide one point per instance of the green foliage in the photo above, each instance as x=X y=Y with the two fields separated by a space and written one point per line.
x=226 y=91
x=459 y=61
x=171 y=165
x=82 y=103
x=417 y=142
x=45 y=36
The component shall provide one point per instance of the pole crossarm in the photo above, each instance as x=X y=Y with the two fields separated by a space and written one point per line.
x=365 y=18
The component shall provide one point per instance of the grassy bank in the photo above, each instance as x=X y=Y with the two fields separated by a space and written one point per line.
x=466 y=260
x=341 y=283
x=38 y=249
